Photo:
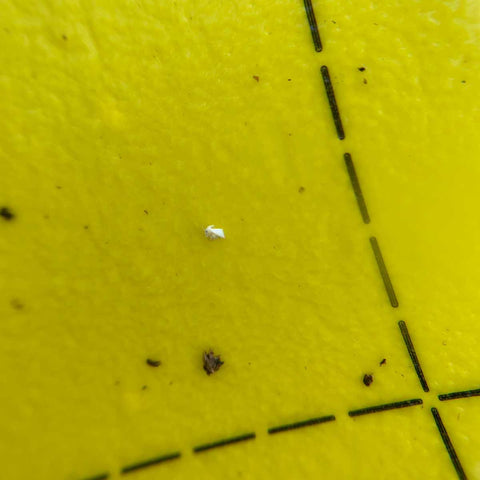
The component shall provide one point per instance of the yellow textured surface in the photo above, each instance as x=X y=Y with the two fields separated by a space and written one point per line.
x=112 y=109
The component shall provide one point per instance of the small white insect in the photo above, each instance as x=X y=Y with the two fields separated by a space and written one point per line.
x=213 y=233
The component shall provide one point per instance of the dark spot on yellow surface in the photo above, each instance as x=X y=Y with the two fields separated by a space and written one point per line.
x=365 y=81
x=301 y=189
x=64 y=37
x=361 y=69
x=383 y=362
x=146 y=211
x=144 y=387
x=256 y=77
x=153 y=363
x=6 y=213
x=85 y=227
x=368 y=379
x=211 y=362
x=289 y=79
x=16 y=304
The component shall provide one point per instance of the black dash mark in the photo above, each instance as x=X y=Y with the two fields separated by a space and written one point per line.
x=448 y=445
x=101 y=476
x=223 y=443
x=6 y=213
x=413 y=355
x=333 y=103
x=384 y=272
x=303 y=423
x=386 y=406
x=455 y=395
x=357 y=190
x=151 y=462
x=313 y=25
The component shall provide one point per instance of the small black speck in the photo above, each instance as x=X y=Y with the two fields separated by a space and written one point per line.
x=289 y=79
x=367 y=379
x=333 y=21
x=153 y=363
x=256 y=77
x=144 y=387
x=361 y=69
x=6 y=213
x=64 y=37
x=146 y=211
x=365 y=81
x=16 y=304
x=301 y=189
x=85 y=227
x=464 y=81
x=383 y=362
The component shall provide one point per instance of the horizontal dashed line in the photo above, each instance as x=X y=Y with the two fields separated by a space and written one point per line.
x=313 y=25
x=448 y=445
x=455 y=395
x=357 y=190
x=301 y=424
x=151 y=462
x=384 y=272
x=224 y=442
x=413 y=355
x=384 y=407
x=332 y=102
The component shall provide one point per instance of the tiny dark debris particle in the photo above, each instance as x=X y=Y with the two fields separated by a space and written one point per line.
x=383 y=362
x=153 y=363
x=6 y=213
x=301 y=189
x=256 y=77
x=16 y=303
x=367 y=379
x=361 y=69
x=365 y=81
x=211 y=362
x=64 y=37
x=464 y=81
x=146 y=211
x=144 y=387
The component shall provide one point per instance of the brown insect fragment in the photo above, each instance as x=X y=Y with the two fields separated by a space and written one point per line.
x=153 y=363
x=367 y=379
x=211 y=362
x=6 y=213
x=383 y=362
x=256 y=77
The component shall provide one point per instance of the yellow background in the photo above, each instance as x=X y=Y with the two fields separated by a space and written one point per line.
x=112 y=109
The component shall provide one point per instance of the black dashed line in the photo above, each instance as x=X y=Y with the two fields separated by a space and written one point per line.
x=384 y=407
x=332 y=102
x=224 y=442
x=448 y=445
x=101 y=476
x=357 y=190
x=149 y=463
x=455 y=395
x=384 y=272
x=301 y=424
x=413 y=354
x=313 y=25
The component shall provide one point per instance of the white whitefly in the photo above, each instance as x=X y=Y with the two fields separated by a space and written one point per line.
x=213 y=233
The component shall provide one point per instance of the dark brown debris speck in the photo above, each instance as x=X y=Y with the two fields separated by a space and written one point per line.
x=6 y=213
x=301 y=189
x=211 y=362
x=153 y=363
x=361 y=69
x=256 y=77
x=367 y=379
x=365 y=81
x=16 y=304
x=64 y=37
x=383 y=362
